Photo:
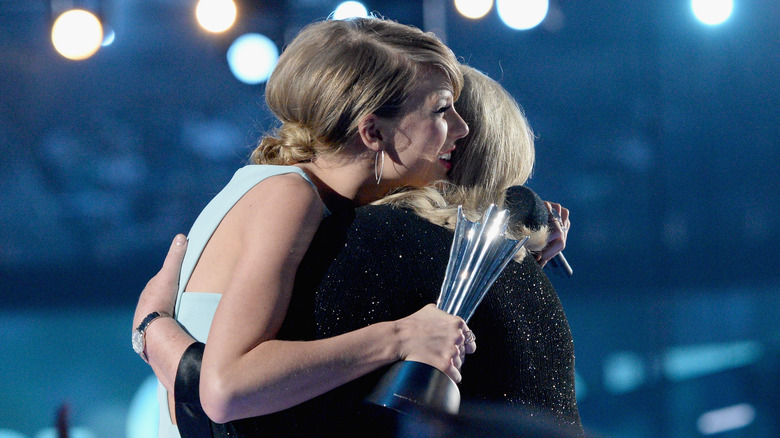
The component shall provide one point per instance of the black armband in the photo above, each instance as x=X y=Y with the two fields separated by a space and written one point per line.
x=191 y=420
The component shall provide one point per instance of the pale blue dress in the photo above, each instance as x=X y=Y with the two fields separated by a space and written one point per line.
x=195 y=311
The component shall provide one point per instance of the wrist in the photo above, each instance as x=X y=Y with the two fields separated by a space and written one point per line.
x=147 y=305
x=396 y=343
x=138 y=338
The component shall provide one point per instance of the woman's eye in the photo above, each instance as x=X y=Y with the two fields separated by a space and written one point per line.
x=443 y=109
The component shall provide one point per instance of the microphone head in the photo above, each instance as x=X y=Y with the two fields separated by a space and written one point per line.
x=526 y=206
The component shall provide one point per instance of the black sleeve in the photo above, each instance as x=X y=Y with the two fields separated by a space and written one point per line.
x=191 y=420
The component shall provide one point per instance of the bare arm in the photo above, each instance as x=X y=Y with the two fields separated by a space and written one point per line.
x=259 y=375
x=246 y=372
x=165 y=339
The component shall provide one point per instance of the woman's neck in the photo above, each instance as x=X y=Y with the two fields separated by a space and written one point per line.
x=343 y=183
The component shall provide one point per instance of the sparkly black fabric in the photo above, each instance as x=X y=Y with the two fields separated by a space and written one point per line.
x=385 y=264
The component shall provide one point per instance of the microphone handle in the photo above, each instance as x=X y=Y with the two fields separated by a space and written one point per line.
x=560 y=265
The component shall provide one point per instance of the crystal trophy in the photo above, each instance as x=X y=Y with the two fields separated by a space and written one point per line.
x=479 y=252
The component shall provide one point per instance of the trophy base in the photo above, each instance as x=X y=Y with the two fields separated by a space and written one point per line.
x=410 y=387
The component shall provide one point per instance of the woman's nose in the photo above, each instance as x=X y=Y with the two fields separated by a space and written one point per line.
x=458 y=126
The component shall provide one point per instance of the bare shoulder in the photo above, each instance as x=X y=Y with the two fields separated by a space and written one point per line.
x=290 y=189
x=286 y=198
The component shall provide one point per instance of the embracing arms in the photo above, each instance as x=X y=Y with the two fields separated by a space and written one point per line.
x=246 y=372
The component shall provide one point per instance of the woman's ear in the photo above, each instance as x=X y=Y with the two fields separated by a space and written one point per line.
x=370 y=131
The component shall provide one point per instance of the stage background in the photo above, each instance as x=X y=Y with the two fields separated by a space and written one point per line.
x=659 y=133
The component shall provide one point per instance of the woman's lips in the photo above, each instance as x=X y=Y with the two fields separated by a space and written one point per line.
x=444 y=159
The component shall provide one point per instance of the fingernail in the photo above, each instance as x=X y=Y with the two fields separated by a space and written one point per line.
x=180 y=240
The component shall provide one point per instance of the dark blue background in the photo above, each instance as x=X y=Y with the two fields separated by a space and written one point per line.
x=660 y=135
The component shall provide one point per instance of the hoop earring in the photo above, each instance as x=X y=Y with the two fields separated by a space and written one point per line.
x=378 y=172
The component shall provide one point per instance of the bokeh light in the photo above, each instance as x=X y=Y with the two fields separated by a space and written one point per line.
x=216 y=15
x=522 y=14
x=143 y=415
x=726 y=419
x=77 y=34
x=349 y=9
x=73 y=432
x=473 y=9
x=109 y=37
x=252 y=58
x=712 y=12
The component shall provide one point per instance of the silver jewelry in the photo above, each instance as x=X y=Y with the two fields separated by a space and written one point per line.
x=558 y=218
x=378 y=172
x=470 y=337
x=138 y=338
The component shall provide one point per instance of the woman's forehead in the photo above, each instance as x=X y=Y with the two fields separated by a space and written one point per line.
x=432 y=87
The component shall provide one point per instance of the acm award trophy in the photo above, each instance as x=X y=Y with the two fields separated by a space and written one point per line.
x=479 y=253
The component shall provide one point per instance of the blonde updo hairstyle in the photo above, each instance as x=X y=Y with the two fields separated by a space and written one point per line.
x=497 y=153
x=336 y=72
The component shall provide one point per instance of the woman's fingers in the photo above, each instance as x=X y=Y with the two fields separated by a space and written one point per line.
x=558 y=226
x=470 y=344
x=453 y=373
x=438 y=339
x=168 y=275
x=159 y=295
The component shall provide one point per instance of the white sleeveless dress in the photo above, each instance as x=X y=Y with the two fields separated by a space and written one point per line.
x=195 y=311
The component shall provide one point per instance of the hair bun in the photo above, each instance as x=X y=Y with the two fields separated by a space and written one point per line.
x=290 y=144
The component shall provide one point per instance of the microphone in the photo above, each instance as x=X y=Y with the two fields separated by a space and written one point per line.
x=526 y=206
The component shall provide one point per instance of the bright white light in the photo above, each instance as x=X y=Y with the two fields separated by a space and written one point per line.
x=77 y=34
x=712 y=12
x=473 y=9
x=724 y=419
x=350 y=10
x=522 y=14
x=216 y=15
x=252 y=57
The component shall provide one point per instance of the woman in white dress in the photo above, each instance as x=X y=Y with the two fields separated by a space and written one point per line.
x=366 y=106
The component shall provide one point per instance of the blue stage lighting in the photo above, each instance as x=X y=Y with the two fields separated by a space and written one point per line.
x=144 y=413
x=252 y=58
x=682 y=363
x=349 y=9
x=522 y=14
x=624 y=372
x=108 y=37
x=712 y=12
x=73 y=432
x=726 y=419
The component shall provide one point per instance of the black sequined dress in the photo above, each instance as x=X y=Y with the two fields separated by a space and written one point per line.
x=383 y=264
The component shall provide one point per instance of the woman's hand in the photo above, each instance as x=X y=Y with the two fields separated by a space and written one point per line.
x=559 y=225
x=436 y=338
x=165 y=339
x=159 y=295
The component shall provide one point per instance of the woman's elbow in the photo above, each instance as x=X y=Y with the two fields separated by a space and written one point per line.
x=217 y=399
